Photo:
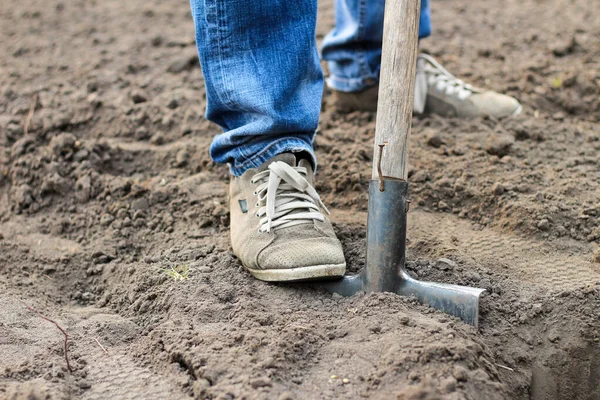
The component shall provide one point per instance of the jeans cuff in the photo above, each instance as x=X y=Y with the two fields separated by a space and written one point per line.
x=292 y=144
x=350 y=84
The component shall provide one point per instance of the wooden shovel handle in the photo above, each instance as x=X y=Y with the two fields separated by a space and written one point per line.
x=396 y=88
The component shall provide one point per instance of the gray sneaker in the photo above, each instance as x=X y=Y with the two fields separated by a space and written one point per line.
x=278 y=229
x=437 y=92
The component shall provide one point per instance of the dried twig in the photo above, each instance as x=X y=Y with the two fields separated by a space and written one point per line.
x=60 y=329
x=102 y=347
x=505 y=367
x=34 y=101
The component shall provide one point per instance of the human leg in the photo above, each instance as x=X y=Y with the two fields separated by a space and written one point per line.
x=263 y=78
x=264 y=86
x=353 y=48
x=353 y=53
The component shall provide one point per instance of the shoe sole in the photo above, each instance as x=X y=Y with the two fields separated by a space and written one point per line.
x=299 y=274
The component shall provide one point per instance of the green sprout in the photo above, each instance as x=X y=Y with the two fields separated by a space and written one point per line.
x=178 y=273
x=557 y=82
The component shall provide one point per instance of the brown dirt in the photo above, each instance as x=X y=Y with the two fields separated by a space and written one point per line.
x=112 y=182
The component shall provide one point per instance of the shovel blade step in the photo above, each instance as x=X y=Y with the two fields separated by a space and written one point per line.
x=456 y=300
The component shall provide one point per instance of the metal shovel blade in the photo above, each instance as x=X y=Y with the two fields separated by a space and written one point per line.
x=386 y=255
x=456 y=300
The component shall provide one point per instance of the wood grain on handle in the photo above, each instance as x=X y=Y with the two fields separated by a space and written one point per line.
x=396 y=87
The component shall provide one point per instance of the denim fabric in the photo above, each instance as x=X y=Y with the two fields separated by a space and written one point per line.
x=353 y=48
x=263 y=78
x=262 y=74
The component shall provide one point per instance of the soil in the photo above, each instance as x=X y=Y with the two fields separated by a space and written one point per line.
x=106 y=184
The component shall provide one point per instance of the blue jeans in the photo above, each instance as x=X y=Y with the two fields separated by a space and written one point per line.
x=262 y=74
x=353 y=48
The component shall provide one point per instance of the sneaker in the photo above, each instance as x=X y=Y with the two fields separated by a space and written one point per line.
x=439 y=92
x=278 y=227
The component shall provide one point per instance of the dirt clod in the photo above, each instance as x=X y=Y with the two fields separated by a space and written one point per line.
x=499 y=145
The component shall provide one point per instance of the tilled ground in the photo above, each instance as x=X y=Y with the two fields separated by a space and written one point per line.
x=106 y=183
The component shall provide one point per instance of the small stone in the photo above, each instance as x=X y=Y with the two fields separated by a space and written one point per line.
x=345 y=381
x=141 y=204
x=142 y=133
x=204 y=269
x=486 y=284
x=442 y=205
x=84 y=188
x=459 y=151
x=543 y=224
x=173 y=104
x=460 y=373
x=445 y=264
x=553 y=337
x=286 y=396
x=420 y=176
x=566 y=47
x=83 y=384
x=182 y=64
x=499 y=145
x=106 y=219
x=63 y=143
x=92 y=86
x=122 y=213
x=596 y=255
x=473 y=276
x=139 y=214
x=23 y=196
x=81 y=155
x=57 y=184
x=87 y=296
x=219 y=211
x=157 y=139
x=158 y=197
x=498 y=189
x=434 y=140
x=103 y=259
x=261 y=382
x=48 y=268
x=181 y=158
x=156 y=41
x=138 y=96
x=448 y=385
x=268 y=362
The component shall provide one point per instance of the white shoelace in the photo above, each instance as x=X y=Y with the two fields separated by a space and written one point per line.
x=286 y=198
x=444 y=81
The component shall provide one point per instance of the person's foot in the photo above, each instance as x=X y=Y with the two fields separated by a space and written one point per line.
x=437 y=92
x=278 y=229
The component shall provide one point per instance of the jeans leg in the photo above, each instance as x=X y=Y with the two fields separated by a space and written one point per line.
x=353 y=48
x=263 y=78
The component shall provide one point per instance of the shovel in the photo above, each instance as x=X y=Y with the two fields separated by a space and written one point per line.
x=388 y=188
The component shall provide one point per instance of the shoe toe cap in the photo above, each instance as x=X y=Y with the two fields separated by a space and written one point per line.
x=302 y=253
x=496 y=105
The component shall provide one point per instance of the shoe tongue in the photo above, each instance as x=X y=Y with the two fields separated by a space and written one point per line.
x=287 y=158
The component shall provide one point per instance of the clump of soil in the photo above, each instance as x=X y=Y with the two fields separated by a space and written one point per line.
x=106 y=187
